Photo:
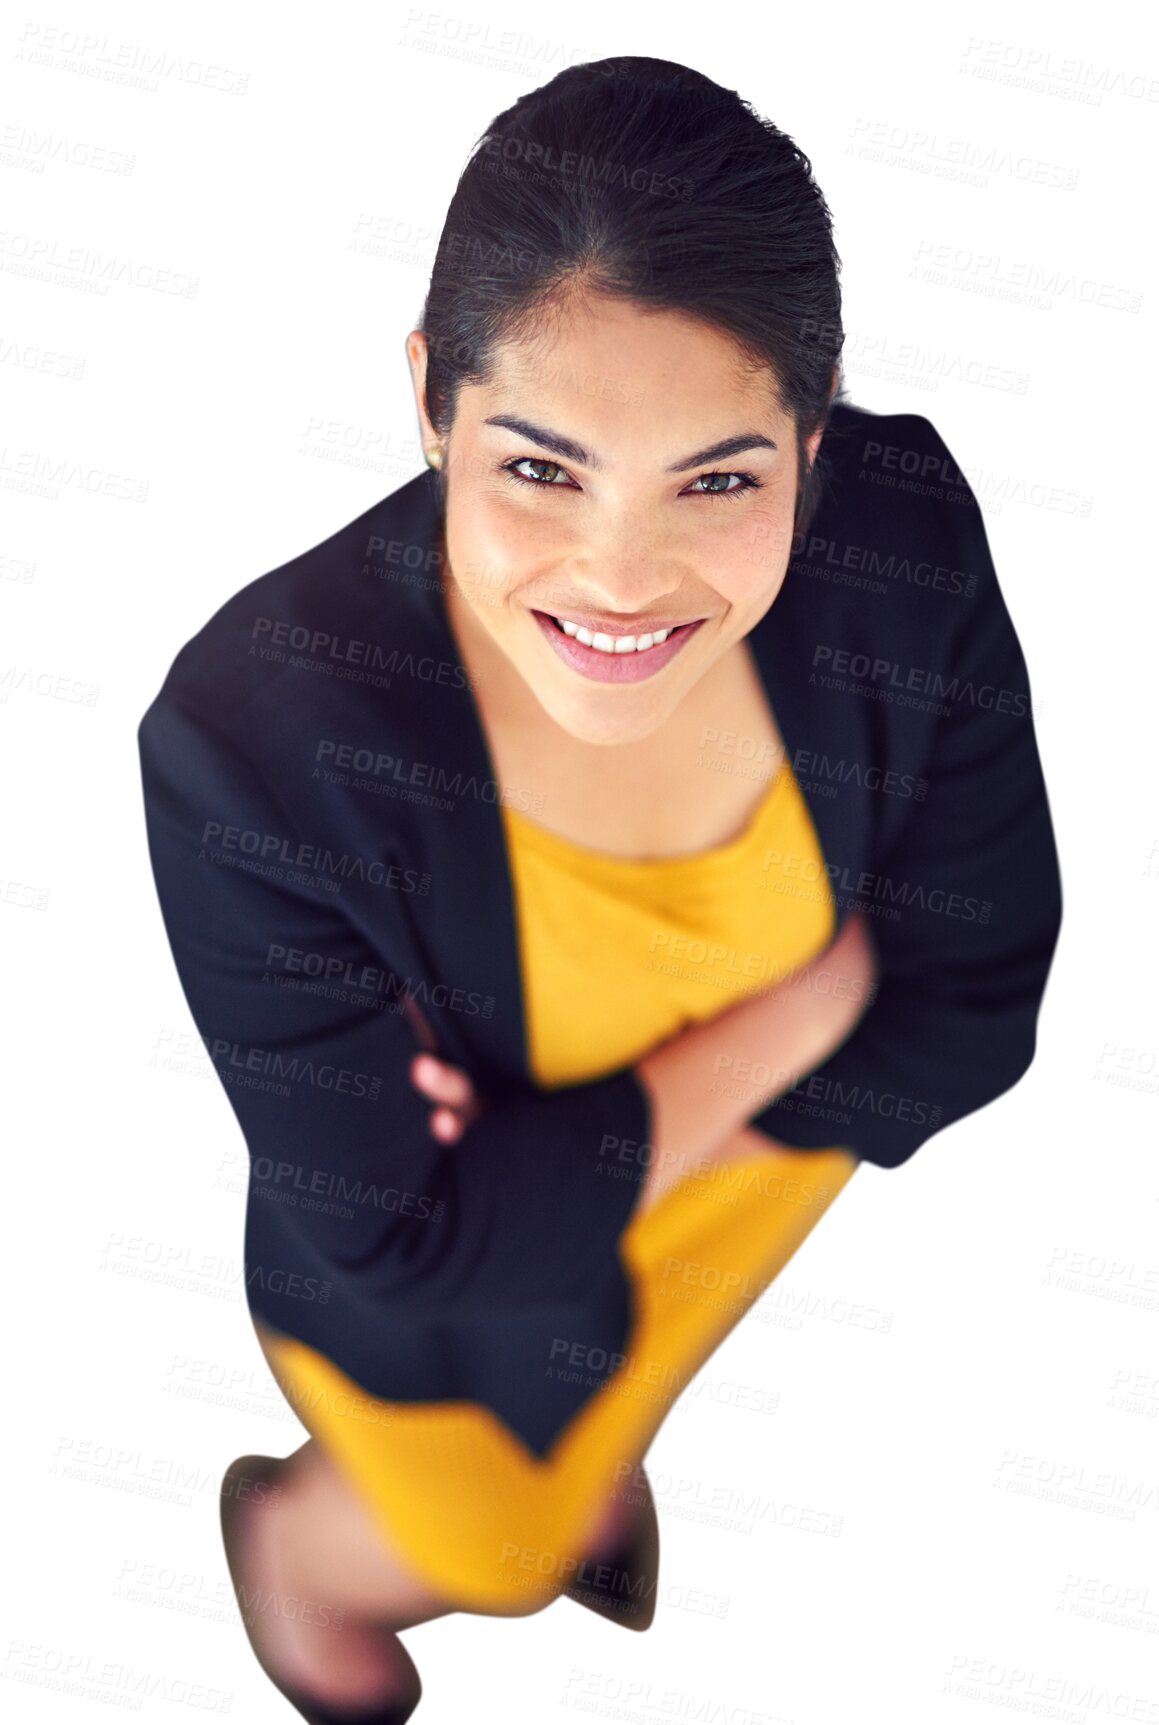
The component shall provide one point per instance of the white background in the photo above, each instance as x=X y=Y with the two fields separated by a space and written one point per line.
x=991 y=1455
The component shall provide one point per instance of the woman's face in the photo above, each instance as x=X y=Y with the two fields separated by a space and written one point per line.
x=626 y=473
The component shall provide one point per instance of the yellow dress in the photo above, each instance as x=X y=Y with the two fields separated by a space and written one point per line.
x=617 y=954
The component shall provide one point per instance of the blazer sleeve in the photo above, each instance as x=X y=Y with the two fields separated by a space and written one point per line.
x=974 y=882
x=527 y=1207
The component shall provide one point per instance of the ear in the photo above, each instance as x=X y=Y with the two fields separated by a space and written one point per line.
x=811 y=443
x=416 y=353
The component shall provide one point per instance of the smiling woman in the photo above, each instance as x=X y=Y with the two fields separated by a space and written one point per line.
x=626 y=534
x=555 y=1031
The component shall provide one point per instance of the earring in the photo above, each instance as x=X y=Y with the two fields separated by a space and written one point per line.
x=434 y=456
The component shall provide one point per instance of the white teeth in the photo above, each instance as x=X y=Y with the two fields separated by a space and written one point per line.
x=612 y=643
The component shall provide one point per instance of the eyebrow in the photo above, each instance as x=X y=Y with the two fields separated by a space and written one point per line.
x=573 y=451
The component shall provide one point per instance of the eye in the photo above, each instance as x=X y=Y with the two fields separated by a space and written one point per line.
x=747 y=483
x=510 y=469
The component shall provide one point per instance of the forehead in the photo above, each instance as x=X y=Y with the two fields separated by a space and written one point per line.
x=606 y=361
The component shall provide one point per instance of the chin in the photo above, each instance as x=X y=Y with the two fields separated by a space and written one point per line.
x=603 y=724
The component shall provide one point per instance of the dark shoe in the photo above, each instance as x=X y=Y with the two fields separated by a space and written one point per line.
x=624 y=1586
x=265 y=1471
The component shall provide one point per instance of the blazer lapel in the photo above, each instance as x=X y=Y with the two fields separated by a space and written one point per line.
x=827 y=736
x=461 y=934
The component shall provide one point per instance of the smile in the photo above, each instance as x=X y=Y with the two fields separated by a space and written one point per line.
x=613 y=658
x=611 y=643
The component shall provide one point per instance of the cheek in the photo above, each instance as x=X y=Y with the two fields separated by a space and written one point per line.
x=761 y=547
x=503 y=530
x=494 y=547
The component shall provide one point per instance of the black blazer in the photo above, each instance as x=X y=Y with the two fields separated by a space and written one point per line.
x=326 y=838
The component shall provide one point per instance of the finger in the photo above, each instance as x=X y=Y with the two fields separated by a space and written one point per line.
x=446 y=1125
x=442 y=1082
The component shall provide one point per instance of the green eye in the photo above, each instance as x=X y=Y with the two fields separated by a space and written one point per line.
x=747 y=483
x=532 y=461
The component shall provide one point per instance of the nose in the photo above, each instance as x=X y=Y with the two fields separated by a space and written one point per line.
x=626 y=565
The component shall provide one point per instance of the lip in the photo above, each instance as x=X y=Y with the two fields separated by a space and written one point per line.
x=615 y=667
x=622 y=625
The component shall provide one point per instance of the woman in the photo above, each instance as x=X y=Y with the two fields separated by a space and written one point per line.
x=577 y=865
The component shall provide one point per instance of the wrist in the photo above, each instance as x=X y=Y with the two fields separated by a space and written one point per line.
x=686 y=1114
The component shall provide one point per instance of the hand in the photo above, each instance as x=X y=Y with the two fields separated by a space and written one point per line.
x=458 y=1102
x=808 y=1021
x=451 y=1088
x=693 y=1115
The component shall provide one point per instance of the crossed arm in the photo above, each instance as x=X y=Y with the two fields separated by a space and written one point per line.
x=705 y=1083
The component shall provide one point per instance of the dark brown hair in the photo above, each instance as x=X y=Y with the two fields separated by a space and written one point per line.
x=643 y=179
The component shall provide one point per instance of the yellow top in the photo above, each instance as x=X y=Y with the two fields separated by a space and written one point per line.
x=621 y=953
x=617 y=954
